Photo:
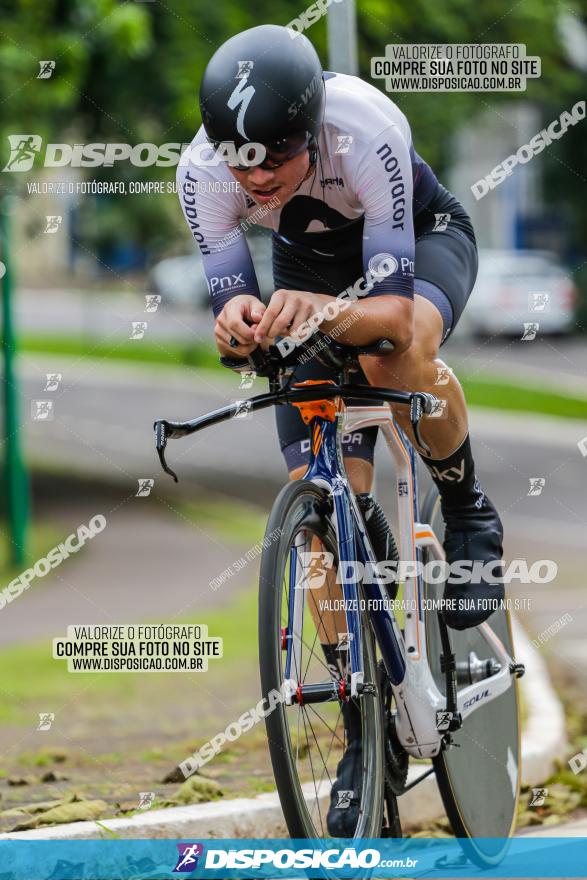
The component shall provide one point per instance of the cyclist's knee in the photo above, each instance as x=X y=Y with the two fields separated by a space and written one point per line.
x=399 y=370
x=298 y=473
x=428 y=325
x=406 y=366
x=424 y=347
x=426 y=340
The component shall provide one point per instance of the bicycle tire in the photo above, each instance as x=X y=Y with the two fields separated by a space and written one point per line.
x=481 y=806
x=295 y=505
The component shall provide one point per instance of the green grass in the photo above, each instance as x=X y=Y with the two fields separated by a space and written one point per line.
x=139 y=351
x=490 y=391
x=41 y=538
x=233 y=522
x=482 y=390
x=31 y=677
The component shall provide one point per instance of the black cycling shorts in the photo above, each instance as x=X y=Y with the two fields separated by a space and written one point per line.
x=446 y=263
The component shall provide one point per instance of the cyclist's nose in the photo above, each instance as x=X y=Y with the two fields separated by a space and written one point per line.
x=261 y=177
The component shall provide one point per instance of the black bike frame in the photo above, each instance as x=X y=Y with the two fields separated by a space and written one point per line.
x=418 y=401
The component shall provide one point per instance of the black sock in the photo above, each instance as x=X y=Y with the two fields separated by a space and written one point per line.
x=380 y=534
x=455 y=477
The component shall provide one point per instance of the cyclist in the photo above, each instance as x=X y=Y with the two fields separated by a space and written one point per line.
x=347 y=197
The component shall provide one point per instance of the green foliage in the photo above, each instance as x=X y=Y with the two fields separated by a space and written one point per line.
x=129 y=71
x=43 y=537
x=132 y=69
x=460 y=21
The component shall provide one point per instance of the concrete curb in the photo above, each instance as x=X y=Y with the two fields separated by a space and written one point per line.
x=543 y=742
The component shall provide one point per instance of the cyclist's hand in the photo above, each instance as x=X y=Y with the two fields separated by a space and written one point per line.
x=234 y=321
x=286 y=312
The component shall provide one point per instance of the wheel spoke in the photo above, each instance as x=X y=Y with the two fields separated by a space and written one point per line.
x=306 y=748
x=325 y=723
x=313 y=774
x=334 y=736
x=311 y=652
x=320 y=750
x=303 y=642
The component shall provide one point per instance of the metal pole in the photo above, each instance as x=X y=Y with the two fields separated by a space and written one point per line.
x=342 y=37
x=16 y=495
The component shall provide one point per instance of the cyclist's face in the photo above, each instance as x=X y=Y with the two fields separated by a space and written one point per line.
x=264 y=184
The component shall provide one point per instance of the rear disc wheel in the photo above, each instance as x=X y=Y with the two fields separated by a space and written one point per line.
x=479 y=778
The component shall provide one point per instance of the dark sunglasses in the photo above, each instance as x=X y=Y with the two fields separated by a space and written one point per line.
x=278 y=152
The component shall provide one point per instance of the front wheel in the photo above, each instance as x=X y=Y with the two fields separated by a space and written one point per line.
x=479 y=778
x=307 y=741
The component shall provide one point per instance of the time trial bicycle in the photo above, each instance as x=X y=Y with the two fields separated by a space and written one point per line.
x=423 y=692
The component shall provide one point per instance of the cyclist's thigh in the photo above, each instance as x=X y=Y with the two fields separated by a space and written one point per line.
x=446 y=259
x=293 y=433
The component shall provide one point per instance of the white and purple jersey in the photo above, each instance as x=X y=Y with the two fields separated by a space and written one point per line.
x=367 y=189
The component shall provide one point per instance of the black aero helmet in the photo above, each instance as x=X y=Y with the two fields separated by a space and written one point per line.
x=262 y=85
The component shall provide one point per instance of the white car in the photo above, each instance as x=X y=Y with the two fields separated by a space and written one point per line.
x=519 y=288
x=181 y=280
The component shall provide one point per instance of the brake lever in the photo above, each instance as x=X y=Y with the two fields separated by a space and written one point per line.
x=161 y=428
x=421 y=403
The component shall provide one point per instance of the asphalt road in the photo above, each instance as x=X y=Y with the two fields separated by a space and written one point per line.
x=101 y=425
x=102 y=416
x=558 y=362
x=155 y=564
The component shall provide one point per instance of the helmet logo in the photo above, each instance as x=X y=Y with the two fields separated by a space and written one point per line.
x=244 y=68
x=241 y=98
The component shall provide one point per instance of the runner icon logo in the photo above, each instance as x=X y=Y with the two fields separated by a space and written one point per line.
x=46 y=68
x=344 y=799
x=53 y=381
x=537 y=484
x=46 y=719
x=145 y=486
x=188 y=856
x=538 y=797
x=530 y=330
x=316 y=565
x=441 y=222
x=23 y=149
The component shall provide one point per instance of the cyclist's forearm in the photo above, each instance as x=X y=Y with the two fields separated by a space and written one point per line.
x=365 y=321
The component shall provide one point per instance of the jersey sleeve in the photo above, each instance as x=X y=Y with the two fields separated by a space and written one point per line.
x=213 y=210
x=384 y=187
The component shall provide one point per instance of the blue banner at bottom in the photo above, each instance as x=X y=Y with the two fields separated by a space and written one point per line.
x=291 y=859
